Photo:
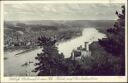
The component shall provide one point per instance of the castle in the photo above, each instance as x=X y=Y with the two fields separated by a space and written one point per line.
x=80 y=52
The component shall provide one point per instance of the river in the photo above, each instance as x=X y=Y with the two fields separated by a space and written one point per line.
x=14 y=64
x=88 y=35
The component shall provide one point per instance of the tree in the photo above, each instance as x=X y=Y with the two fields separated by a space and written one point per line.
x=51 y=63
x=115 y=41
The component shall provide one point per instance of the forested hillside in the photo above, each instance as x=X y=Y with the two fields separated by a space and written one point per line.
x=107 y=56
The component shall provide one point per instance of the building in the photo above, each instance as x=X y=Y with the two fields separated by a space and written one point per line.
x=80 y=52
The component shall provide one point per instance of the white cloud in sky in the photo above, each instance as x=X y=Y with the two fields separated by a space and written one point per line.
x=60 y=11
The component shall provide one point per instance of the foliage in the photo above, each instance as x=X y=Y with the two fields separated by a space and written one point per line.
x=50 y=61
x=115 y=41
x=103 y=62
x=107 y=56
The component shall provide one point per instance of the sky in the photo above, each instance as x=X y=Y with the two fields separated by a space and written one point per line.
x=65 y=11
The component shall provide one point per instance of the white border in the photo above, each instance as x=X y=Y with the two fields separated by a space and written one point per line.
x=66 y=1
x=61 y=78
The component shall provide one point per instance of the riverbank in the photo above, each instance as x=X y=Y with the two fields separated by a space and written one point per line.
x=60 y=36
x=28 y=55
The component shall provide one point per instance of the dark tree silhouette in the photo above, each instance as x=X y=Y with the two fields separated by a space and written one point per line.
x=50 y=62
x=115 y=41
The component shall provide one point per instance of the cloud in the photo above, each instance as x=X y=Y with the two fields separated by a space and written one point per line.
x=60 y=11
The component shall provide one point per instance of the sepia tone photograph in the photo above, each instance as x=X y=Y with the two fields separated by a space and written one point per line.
x=79 y=39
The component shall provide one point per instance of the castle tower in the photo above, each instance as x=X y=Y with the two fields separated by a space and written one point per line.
x=86 y=46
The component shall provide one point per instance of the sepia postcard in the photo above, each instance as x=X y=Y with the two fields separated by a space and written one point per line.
x=63 y=41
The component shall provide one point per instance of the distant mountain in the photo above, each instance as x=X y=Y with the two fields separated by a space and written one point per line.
x=73 y=23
